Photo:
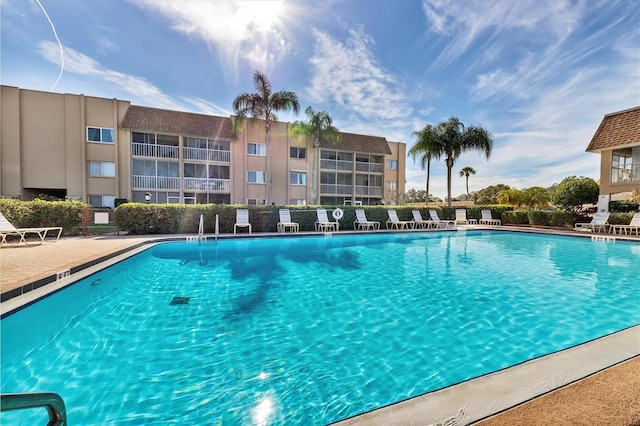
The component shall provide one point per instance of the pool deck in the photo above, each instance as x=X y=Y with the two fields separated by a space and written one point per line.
x=610 y=396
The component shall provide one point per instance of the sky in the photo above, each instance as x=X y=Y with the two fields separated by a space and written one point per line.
x=538 y=74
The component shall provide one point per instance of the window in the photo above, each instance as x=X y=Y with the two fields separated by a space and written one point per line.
x=256 y=149
x=101 y=169
x=298 y=202
x=392 y=164
x=102 y=200
x=100 y=134
x=255 y=176
x=298 y=178
x=625 y=165
x=392 y=185
x=256 y=201
x=295 y=152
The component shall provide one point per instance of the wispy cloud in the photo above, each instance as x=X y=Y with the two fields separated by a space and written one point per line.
x=235 y=29
x=347 y=76
x=55 y=34
x=79 y=63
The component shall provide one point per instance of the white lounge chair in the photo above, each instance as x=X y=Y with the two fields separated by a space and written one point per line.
x=396 y=223
x=286 y=224
x=418 y=222
x=242 y=220
x=461 y=217
x=487 y=219
x=323 y=224
x=362 y=223
x=7 y=229
x=439 y=223
x=634 y=225
x=597 y=224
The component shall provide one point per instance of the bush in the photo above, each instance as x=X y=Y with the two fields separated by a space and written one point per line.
x=551 y=218
x=40 y=213
x=624 y=206
x=516 y=217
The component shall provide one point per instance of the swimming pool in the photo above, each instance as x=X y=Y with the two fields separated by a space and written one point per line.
x=310 y=330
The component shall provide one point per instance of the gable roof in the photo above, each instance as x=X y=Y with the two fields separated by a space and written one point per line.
x=187 y=123
x=617 y=129
x=360 y=143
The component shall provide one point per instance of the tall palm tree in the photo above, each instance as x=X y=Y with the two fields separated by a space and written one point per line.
x=262 y=105
x=454 y=139
x=319 y=126
x=466 y=171
x=427 y=148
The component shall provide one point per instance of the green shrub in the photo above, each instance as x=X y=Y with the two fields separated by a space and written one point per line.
x=40 y=213
x=624 y=207
x=620 y=218
x=515 y=217
x=551 y=218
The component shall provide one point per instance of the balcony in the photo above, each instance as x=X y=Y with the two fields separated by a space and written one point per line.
x=213 y=155
x=155 y=182
x=369 y=167
x=335 y=189
x=336 y=164
x=205 y=184
x=156 y=151
x=372 y=191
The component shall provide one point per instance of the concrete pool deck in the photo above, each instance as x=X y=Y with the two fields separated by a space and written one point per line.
x=610 y=396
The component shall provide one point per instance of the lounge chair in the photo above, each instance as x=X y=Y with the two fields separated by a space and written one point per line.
x=286 y=224
x=634 y=225
x=437 y=222
x=394 y=222
x=7 y=229
x=362 y=223
x=487 y=219
x=323 y=224
x=597 y=224
x=418 y=222
x=242 y=220
x=461 y=217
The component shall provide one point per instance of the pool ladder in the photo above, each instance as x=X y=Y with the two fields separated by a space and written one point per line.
x=51 y=401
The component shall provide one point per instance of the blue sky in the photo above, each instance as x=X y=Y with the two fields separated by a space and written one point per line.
x=540 y=75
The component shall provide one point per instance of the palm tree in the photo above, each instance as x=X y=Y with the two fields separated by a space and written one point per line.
x=318 y=126
x=466 y=171
x=262 y=105
x=454 y=139
x=427 y=148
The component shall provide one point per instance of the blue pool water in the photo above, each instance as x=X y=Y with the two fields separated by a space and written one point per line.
x=310 y=330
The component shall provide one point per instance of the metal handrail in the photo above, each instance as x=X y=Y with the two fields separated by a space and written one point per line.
x=51 y=401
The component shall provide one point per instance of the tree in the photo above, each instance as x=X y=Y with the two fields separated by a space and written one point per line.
x=319 y=126
x=427 y=148
x=466 y=171
x=262 y=105
x=488 y=195
x=535 y=197
x=572 y=192
x=451 y=138
x=511 y=196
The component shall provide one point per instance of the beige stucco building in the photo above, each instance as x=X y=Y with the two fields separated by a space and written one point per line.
x=100 y=150
x=617 y=140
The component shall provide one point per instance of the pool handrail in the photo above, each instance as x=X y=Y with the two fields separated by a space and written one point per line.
x=51 y=401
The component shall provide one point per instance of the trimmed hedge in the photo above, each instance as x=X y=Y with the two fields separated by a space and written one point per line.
x=624 y=207
x=139 y=218
x=39 y=213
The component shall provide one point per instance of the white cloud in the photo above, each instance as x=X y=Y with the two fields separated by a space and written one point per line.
x=347 y=76
x=78 y=63
x=235 y=29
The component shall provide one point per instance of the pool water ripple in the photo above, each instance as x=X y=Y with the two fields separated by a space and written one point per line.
x=311 y=330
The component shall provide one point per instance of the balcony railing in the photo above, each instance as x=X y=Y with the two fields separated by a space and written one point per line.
x=201 y=154
x=631 y=173
x=369 y=167
x=335 y=189
x=155 y=182
x=209 y=185
x=369 y=190
x=157 y=151
x=336 y=164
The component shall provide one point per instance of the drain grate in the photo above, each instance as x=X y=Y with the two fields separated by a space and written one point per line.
x=179 y=300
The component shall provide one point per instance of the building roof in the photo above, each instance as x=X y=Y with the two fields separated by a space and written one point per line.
x=187 y=123
x=617 y=129
x=360 y=143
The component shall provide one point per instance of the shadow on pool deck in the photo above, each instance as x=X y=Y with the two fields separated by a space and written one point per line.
x=609 y=397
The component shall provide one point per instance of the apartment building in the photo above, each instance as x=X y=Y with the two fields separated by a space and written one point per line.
x=617 y=140
x=101 y=150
